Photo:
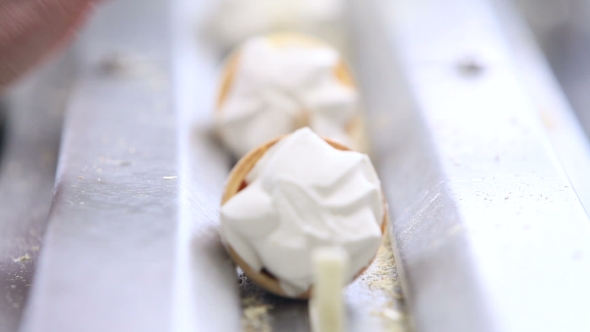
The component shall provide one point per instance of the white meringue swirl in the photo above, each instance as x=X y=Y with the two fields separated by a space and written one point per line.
x=280 y=87
x=301 y=195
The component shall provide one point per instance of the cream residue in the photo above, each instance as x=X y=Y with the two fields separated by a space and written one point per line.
x=281 y=86
x=301 y=195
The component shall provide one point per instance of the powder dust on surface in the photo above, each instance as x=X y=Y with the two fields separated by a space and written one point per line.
x=256 y=306
x=380 y=280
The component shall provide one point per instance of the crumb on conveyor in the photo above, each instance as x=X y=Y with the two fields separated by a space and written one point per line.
x=380 y=279
x=255 y=315
x=256 y=318
x=382 y=274
x=24 y=258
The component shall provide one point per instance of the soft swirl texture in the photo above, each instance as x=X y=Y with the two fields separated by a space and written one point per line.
x=281 y=84
x=301 y=195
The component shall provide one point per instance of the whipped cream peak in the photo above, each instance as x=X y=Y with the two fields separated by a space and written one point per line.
x=301 y=195
x=283 y=82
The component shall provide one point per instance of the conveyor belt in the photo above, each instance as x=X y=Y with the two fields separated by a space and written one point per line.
x=485 y=220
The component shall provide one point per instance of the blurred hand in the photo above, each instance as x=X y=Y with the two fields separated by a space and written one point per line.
x=32 y=29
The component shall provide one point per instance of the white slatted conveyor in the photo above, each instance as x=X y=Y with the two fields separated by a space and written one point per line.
x=488 y=230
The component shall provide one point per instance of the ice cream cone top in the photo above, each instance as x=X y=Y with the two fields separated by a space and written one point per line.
x=275 y=84
x=292 y=195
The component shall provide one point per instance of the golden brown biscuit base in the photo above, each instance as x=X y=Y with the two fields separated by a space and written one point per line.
x=236 y=182
x=227 y=77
